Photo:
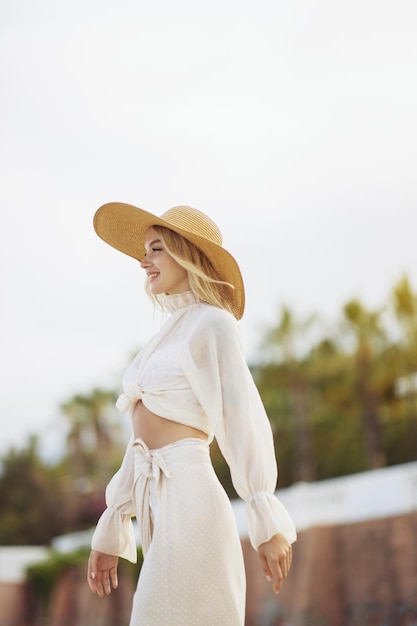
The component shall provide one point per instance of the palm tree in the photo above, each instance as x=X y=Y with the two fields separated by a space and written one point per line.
x=93 y=440
x=281 y=343
x=405 y=307
x=370 y=339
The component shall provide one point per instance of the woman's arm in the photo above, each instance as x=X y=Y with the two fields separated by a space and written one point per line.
x=223 y=384
x=114 y=534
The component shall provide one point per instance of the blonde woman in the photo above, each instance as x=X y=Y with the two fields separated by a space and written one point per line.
x=189 y=384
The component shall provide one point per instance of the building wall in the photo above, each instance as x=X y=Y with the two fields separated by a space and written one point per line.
x=354 y=563
x=359 y=574
x=12 y=604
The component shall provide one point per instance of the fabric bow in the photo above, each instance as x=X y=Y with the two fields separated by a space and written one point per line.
x=150 y=467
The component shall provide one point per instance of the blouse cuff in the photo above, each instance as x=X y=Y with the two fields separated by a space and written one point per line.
x=114 y=534
x=266 y=516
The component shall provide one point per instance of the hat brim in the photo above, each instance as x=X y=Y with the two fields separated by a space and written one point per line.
x=124 y=227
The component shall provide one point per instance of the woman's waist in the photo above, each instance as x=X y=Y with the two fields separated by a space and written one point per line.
x=158 y=431
x=153 y=463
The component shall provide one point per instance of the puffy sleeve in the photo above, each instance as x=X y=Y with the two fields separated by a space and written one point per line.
x=216 y=368
x=114 y=533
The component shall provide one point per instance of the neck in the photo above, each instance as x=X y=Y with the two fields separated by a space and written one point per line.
x=173 y=302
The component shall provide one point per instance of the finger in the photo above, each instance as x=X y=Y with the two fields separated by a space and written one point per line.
x=289 y=559
x=277 y=574
x=96 y=584
x=99 y=587
x=265 y=567
x=91 y=580
x=283 y=562
x=277 y=579
x=114 y=578
x=286 y=564
x=106 y=582
x=91 y=572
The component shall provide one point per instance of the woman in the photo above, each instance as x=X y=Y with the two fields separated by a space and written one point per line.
x=189 y=384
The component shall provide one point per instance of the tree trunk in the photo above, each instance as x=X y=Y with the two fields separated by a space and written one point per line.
x=373 y=436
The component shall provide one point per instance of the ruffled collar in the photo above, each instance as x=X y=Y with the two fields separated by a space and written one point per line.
x=176 y=301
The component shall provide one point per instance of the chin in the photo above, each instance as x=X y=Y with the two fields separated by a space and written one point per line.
x=154 y=290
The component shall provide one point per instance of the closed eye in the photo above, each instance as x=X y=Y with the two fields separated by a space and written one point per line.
x=153 y=245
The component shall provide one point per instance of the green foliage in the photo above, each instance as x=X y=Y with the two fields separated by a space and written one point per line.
x=30 y=499
x=43 y=576
x=39 y=501
x=222 y=470
x=94 y=425
x=335 y=408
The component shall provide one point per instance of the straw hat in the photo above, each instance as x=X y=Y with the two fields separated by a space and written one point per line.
x=124 y=227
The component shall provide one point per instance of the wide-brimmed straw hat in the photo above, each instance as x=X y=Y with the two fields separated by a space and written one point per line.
x=124 y=227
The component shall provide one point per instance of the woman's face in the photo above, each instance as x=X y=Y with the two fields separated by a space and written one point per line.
x=164 y=274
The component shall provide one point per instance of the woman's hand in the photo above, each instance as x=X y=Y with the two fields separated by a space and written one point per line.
x=102 y=572
x=276 y=557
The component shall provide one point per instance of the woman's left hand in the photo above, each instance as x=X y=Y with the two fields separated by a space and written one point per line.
x=276 y=557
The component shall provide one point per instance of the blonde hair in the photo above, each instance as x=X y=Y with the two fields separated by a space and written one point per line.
x=205 y=283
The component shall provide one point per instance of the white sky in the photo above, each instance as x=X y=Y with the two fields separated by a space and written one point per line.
x=291 y=123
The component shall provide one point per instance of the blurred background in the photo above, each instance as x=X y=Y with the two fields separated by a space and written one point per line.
x=292 y=124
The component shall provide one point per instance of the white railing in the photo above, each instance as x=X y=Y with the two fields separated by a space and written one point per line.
x=358 y=497
x=15 y=559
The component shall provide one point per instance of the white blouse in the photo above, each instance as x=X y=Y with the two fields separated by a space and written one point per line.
x=193 y=371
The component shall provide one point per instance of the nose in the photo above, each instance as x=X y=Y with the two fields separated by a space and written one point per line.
x=145 y=263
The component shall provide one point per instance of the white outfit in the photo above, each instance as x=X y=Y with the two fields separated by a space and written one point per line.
x=193 y=371
x=193 y=572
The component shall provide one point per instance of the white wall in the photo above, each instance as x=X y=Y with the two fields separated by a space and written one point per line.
x=15 y=559
x=368 y=495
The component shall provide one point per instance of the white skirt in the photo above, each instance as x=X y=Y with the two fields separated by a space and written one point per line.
x=193 y=571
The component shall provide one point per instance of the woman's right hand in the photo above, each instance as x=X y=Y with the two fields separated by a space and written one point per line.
x=102 y=572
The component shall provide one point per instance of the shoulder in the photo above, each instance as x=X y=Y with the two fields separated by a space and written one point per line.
x=214 y=318
x=211 y=337
x=209 y=323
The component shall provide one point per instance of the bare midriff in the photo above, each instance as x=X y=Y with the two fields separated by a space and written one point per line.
x=157 y=431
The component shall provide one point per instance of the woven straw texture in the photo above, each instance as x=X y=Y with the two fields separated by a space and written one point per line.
x=124 y=227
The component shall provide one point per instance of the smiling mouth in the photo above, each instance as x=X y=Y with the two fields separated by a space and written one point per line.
x=152 y=277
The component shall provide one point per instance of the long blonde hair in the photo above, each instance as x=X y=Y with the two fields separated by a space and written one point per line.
x=204 y=281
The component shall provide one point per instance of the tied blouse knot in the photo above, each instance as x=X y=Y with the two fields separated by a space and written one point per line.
x=194 y=372
x=132 y=394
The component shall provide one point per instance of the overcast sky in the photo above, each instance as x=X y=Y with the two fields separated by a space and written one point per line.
x=292 y=123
